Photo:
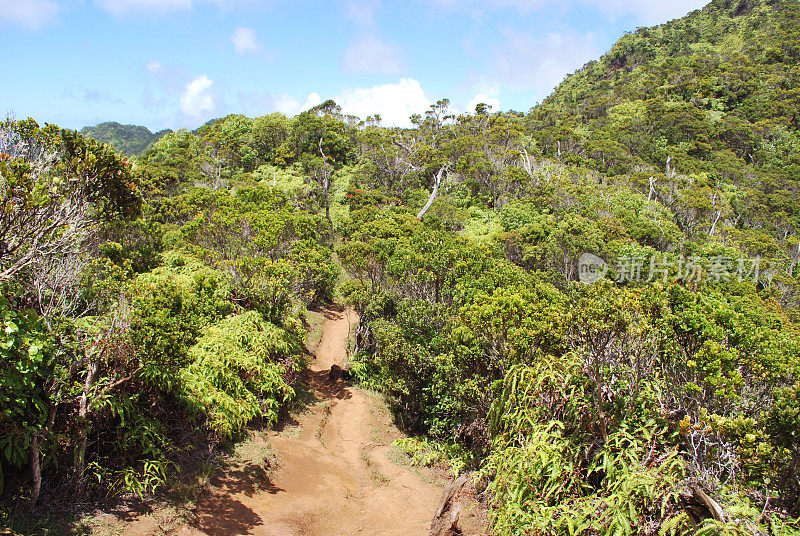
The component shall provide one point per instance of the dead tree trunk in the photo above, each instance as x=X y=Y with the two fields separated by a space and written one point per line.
x=437 y=178
x=437 y=181
x=719 y=213
x=326 y=183
x=714 y=225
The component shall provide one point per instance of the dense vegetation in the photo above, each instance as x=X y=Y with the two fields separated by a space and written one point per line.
x=662 y=399
x=130 y=317
x=130 y=140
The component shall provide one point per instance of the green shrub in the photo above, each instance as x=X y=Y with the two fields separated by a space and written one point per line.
x=25 y=364
x=237 y=373
x=171 y=305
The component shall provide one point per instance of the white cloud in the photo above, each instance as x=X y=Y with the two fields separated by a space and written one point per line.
x=245 y=41
x=159 y=7
x=288 y=105
x=312 y=100
x=154 y=67
x=123 y=7
x=494 y=102
x=371 y=55
x=647 y=13
x=644 y=12
x=177 y=96
x=198 y=99
x=172 y=78
x=255 y=103
x=361 y=12
x=153 y=96
x=394 y=102
x=283 y=103
x=539 y=63
x=32 y=14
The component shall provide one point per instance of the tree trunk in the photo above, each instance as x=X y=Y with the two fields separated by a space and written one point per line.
x=437 y=181
x=328 y=209
x=36 y=468
x=598 y=398
x=36 y=455
x=326 y=187
x=83 y=421
x=714 y=225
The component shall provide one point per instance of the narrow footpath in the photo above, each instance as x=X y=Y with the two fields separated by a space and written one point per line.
x=333 y=475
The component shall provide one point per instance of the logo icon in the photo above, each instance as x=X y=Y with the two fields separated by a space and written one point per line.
x=591 y=268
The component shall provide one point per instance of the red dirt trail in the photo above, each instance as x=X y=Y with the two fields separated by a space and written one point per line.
x=333 y=475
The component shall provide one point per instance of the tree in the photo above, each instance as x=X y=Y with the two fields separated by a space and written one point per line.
x=26 y=356
x=56 y=187
x=324 y=144
x=427 y=158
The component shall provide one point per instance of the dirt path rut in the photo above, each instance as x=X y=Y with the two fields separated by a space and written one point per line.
x=334 y=475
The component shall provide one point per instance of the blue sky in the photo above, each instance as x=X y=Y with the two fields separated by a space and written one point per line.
x=174 y=63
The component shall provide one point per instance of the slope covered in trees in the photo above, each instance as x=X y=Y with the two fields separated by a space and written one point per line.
x=661 y=399
x=130 y=140
x=714 y=95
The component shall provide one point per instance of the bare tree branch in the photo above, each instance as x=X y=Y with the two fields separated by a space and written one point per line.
x=437 y=180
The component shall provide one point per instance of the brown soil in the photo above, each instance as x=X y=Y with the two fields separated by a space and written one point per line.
x=333 y=474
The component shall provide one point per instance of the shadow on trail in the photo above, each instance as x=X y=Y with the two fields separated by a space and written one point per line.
x=331 y=311
x=224 y=515
x=247 y=478
x=314 y=387
x=228 y=517
x=329 y=384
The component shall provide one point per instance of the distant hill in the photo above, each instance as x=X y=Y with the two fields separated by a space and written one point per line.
x=130 y=139
x=715 y=92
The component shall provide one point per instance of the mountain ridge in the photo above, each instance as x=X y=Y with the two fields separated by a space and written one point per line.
x=131 y=140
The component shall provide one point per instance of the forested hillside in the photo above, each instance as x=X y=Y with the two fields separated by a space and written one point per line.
x=156 y=310
x=131 y=140
x=713 y=96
